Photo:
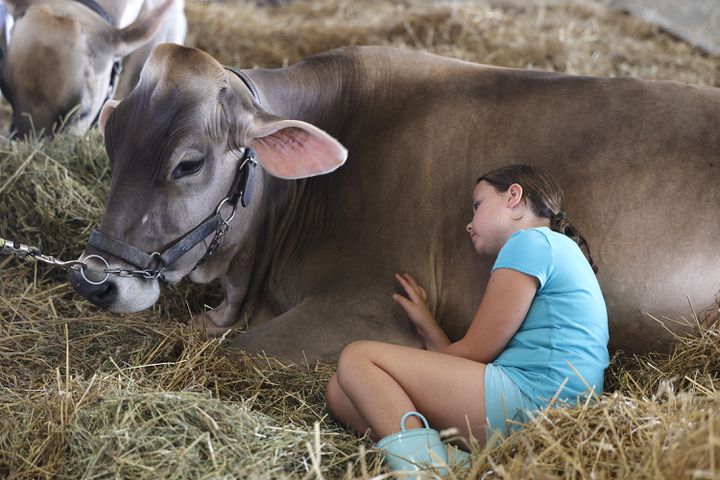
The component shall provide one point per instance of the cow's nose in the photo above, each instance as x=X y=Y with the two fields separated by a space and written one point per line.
x=102 y=295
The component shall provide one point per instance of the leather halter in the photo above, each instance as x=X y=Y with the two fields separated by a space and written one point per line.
x=153 y=264
x=95 y=7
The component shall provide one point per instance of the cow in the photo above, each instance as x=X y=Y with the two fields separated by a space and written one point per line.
x=368 y=157
x=62 y=58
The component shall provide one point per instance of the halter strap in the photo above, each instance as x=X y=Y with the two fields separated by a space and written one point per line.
x=246 y=80
x=241 y=189
x=95 y=7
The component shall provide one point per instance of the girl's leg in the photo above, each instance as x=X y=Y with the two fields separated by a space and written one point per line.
x=382 y=381
x=342 y=409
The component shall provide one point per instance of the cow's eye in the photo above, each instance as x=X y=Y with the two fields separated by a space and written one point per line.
x=187 y=168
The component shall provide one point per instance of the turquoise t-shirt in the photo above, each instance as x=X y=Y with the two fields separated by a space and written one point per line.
x=567 y=320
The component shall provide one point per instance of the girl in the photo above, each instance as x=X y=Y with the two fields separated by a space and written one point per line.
x=540 y=331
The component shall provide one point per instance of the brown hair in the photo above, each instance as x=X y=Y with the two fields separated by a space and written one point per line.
x=545 y=196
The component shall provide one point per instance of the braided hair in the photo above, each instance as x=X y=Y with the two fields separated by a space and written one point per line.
x=545 y=196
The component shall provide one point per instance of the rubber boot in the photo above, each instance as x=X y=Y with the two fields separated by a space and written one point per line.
x=414 y=450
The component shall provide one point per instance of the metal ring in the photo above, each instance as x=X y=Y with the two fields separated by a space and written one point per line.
x=157 y=257
x=232 y=214
x=107 y=266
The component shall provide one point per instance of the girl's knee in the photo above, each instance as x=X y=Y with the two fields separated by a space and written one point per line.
x=354 y=357
x=355 y=353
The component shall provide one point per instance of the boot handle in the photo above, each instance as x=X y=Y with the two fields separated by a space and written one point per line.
x=410 y=414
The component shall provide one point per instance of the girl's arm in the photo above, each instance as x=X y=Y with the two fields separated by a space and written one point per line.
x=507 y=299
x=505 y=304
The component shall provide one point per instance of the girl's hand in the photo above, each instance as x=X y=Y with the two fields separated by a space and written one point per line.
x=416 y=308
x=415 y=305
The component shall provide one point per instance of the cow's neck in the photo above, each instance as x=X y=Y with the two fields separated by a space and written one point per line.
x=260 y=244
x=326 y=91
x=321 y=92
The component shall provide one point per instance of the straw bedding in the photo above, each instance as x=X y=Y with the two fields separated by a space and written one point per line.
x=86 y=394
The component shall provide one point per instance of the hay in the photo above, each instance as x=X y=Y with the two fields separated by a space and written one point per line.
x=668 y=435
x=83 y=391
x=86 y=394
x=579 y=37
x=54 y=192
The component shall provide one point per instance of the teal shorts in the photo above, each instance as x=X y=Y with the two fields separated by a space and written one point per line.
x=505 y=404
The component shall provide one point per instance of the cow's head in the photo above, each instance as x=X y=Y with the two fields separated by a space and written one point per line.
x=57 y=62
x=175 y=145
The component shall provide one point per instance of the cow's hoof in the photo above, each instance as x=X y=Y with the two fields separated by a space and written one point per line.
x=206 y=324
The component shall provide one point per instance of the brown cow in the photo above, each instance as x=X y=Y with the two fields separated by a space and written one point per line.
x=309 y=263
x=61 y=58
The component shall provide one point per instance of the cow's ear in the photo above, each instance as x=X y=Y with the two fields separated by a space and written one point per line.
x=105 y=113
x=294 y=149
x=126 y=40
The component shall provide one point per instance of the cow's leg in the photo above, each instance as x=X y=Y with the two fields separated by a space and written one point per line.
x=320 y=327
x=225 y=316
x=220 y=319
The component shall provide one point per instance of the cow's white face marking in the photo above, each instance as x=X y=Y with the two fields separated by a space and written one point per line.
x=135 y=294
x=144 y=219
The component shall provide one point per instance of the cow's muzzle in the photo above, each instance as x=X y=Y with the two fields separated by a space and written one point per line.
x=114 y=293
x=103 y=294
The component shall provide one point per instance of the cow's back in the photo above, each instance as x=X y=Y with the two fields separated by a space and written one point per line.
x=638 y=162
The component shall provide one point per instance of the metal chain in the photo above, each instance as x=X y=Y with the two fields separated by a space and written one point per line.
x=220 y=231
x=215 y=242
x=148 y=274
x=27 y=252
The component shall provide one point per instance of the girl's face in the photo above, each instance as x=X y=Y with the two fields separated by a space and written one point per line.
x=492 y=222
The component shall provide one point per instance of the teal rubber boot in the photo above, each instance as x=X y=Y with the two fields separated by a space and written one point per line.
x=415 y=450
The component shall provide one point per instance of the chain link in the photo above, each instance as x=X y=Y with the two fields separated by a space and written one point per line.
x=215 y=242
x=146 y=273
x=29 y=253
x=219 y=232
